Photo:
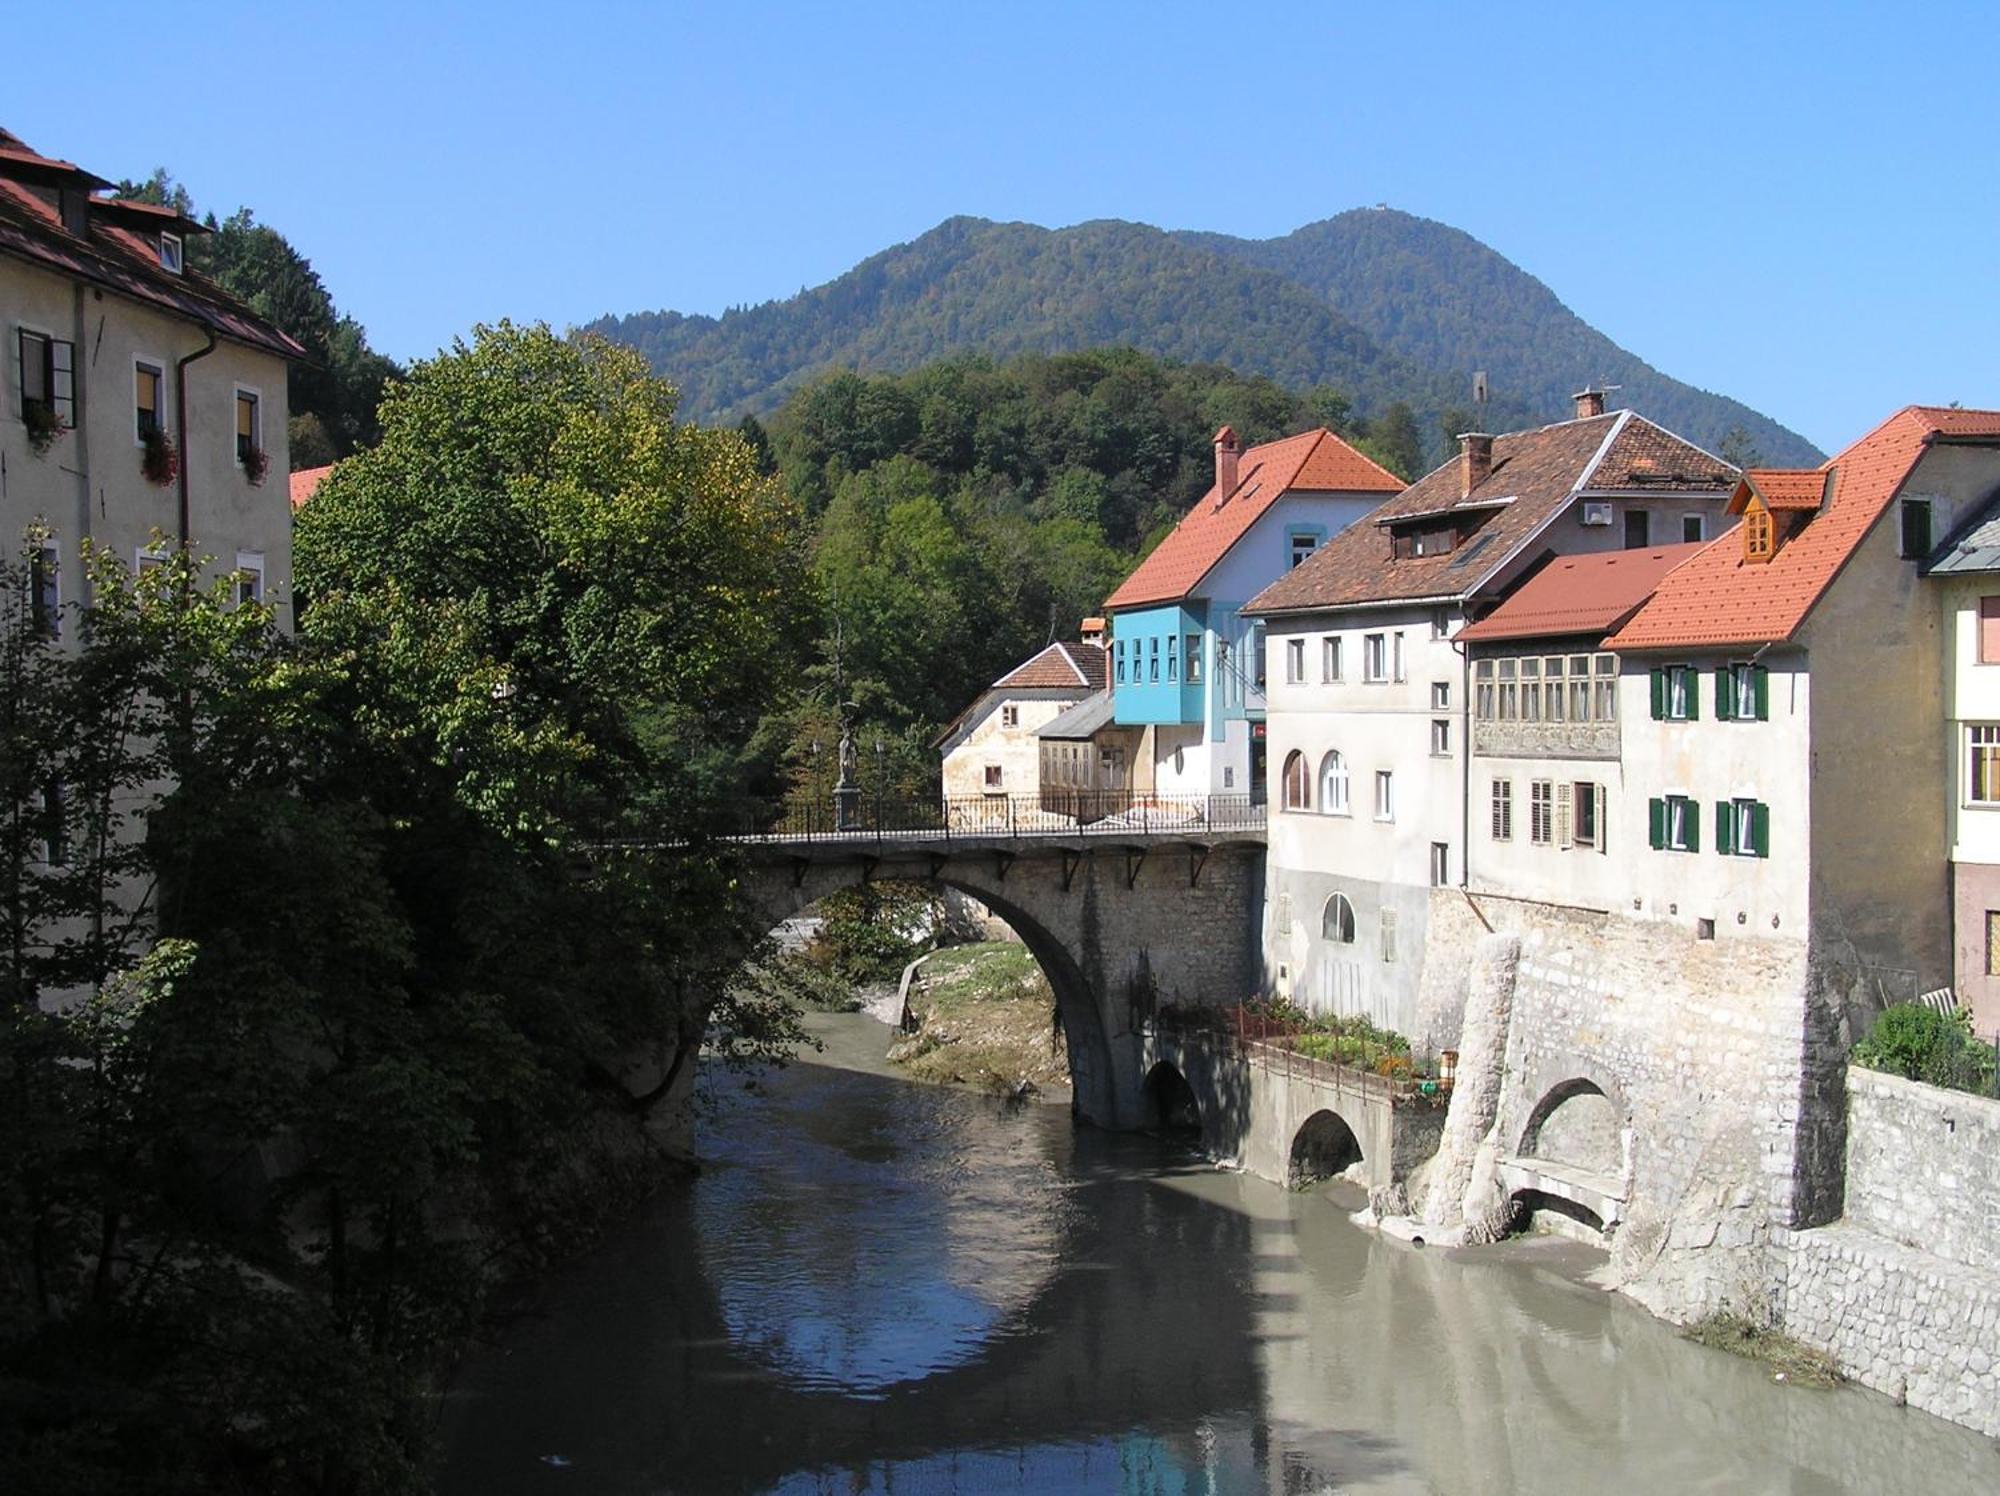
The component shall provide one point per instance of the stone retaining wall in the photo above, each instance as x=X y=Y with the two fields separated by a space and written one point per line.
x=1923 y=1166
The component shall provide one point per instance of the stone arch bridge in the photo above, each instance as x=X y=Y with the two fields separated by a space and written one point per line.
x=1125 y=914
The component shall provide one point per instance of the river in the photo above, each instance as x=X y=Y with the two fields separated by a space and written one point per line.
x=877 y=1286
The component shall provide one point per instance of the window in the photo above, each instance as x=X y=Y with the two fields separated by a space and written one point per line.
x=1295 y=661
x=1336 y=921
x=1440 y=623
x=1257 y=649
x=1579 y=688
x=1398 y=652
x=1760 y=536
x=47 y=377
x=1694 y=527
x=1531 y=690
x=1440 y=737
x=149 y=385
x=993 y=778
x=45 y=591
x=1510 y=691
x=1329 y=659
x=1993 y=942
x=1303 y=544
x=1153 y=654
x=1742 y=692
x=1375 y=657
x=1193 y=658
x=1916 y=516
x=1333 y=784
x=1638 y=529
x=1605 y=688
x=170 y=253
x=1555 y=688
x=1173 y=657
x=1385 y=795
x=1388 y=935
x=1587 y=818
x=1673 y=824
x=1298 y=788
x=1502 y=820
x=1121 y=662
x=1010 y=716
x=1440 y=864
x=1440 y=695
x=1989 y=631
x=1982 y=757
x=1676 y=694
x=1743 y=827
x=49 y=810
x=1482 y=690
x=249 y=426
x=146 y=559
x=1541 y=812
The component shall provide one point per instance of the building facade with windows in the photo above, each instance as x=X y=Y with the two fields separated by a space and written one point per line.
x=1187 y=666
x=141 y=407
x=993 y=747
x=1374 y=799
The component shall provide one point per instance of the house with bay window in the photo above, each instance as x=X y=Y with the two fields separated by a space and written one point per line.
x=1377 y=799
x=1187 y=666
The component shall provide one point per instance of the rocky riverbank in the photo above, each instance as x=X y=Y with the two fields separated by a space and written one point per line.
x=985 y=1016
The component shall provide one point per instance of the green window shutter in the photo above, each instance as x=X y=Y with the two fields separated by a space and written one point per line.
x=1659 y=697
x=1760 y=829
x=1694 y=810
x=1725 y=694
x=1694 y=694
x=1761 y=678
x=1656 y=814
x=1725 y=843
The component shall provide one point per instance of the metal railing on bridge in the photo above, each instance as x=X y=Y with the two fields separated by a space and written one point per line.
x=1067 y=813
x=1366 y=1068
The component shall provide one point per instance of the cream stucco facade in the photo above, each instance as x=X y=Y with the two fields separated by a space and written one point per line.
x=995 y=750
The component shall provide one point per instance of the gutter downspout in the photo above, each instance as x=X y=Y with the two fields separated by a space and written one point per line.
x=181 y=427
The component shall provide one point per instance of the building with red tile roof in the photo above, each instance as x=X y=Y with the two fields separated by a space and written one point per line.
x=991 y=747
x=305 y=483
x=1577 y=595
x=1185 y=663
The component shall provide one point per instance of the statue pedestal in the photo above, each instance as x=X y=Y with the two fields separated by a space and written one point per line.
x=847 y=808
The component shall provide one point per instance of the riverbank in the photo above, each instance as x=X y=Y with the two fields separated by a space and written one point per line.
x=985 y=1017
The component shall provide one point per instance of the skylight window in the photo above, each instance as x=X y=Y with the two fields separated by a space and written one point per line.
x=1465 y=556
x=170 y=253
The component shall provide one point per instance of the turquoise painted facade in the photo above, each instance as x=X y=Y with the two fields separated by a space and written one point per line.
x=1160 y=664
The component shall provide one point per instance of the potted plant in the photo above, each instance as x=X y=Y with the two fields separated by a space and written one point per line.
x=256 y=463
x=159 y=461
x=43 y=424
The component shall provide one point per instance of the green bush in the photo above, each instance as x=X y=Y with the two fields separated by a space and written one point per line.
x=869 y=934
x=1920 y=1043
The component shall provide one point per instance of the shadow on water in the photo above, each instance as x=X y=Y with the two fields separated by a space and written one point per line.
x=878 y=1286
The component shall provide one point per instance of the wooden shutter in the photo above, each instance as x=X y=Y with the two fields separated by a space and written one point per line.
x=1694 y=825
x=1694 y=694
x=1760 y=682
x=1725 y=816
x=1725 y=693
x=1565 y=812
x=62 y=381
x=1656 y=822
x=1603 y=820
x=1760 y=829
x=1659 y=694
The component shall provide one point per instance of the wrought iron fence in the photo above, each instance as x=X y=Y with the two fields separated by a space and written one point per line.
x=1065 y=813
x=1273 y=1039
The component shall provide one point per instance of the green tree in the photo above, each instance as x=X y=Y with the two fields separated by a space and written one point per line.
x=1398 y=441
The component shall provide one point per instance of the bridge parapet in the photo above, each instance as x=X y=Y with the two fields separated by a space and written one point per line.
x=1099 y=816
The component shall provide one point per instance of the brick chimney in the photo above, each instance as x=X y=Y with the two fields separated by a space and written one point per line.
x=1589 y=402
x=1475 y=460
x=1226 y=455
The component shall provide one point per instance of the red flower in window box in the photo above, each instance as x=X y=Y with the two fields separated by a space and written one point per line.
x=256 y=463
x=159 y=461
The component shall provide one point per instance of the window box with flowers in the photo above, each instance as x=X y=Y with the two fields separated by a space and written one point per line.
x=256 y=463
x=43 y=424
x=159 y=460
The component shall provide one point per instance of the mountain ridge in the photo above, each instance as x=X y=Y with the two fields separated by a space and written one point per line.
x=1378 y=303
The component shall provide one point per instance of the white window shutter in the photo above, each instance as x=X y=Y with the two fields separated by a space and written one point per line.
x=1565 y=813
x=1603 y=822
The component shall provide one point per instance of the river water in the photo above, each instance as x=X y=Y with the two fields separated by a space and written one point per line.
x=877 y=1286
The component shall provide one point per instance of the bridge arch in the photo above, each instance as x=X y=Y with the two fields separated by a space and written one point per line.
x=1577 y=1123
x=1170 y=1101
x=1324 y=1146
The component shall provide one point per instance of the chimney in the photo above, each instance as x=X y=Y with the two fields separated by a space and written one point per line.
x=1475 y=460
x=1589 y=402
x=1226 y=455
x=1093 y=632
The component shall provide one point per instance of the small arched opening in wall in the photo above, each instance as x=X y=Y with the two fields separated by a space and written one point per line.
x=1170 y=1103
x=1577 y=1125
x=1558 y=1216
x=1325 y=1147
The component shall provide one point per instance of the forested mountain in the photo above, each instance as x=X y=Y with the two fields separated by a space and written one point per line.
x=1436 y=296
x=1381 y=305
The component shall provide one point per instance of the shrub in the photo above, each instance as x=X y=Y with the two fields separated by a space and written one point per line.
x=1919 y=1043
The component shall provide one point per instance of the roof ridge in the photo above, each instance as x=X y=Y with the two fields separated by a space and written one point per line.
x=1603 y=447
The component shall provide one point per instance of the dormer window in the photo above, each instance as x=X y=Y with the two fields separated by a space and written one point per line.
x=1760 y=538
x=170 y=253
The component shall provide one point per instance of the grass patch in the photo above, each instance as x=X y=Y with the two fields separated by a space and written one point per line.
x=1790 y=1361
x=989 y=971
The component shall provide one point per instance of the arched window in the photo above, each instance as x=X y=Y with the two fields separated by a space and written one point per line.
x=1298 y=787
x=1333 y=784
x=1336 y=923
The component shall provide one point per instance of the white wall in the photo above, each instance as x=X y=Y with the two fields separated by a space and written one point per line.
x=1017 y=750
x=1972 y=694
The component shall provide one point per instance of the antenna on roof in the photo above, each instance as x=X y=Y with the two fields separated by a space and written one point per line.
x=1609 y=389
x=1479 y=394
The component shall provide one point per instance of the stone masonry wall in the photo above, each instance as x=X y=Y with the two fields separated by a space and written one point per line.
x=1904 y=1291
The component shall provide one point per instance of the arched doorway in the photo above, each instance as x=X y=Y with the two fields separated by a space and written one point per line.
x=1575 y=1124
x=1171 y=1107
x=1325 y=1147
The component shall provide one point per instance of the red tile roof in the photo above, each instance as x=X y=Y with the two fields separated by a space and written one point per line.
x=1062 y=666
x=1535 y=476
x=1315 y=461
x=111 y=254
x=1720 y=599
x=306 y=482
x=1783 y=488
x=1587 y=594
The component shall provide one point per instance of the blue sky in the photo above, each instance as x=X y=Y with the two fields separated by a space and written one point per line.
x=1795 y=204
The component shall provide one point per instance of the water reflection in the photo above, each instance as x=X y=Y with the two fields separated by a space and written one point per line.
x=886 y=1287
